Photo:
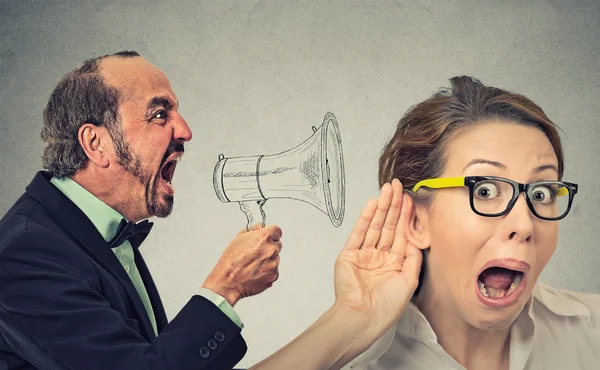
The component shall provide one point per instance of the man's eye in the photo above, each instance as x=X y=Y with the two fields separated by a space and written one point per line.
x=161 y=114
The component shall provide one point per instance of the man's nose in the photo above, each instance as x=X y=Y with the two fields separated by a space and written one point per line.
x=181 y=130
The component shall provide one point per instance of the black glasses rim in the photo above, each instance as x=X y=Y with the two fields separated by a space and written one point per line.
x=518 y=188
x=513 y=182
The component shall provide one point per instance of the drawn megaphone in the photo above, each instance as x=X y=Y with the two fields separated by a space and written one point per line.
x=312 y=172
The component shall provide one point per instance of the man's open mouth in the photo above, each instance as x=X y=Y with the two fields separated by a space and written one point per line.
x=499 y=282
x=168 y=169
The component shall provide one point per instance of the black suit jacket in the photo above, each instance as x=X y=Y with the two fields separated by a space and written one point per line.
x=67 y=303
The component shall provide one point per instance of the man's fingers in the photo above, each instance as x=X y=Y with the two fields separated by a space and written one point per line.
x=274 y=232
x=271 y=240
x=274 y=276
x=357 y=235
x=383 y=205
x=400 y=237
x=391 y=220
x=276 y=248
x=254 y=227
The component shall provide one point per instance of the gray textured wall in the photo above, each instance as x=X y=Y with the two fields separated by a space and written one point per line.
x=254 y=76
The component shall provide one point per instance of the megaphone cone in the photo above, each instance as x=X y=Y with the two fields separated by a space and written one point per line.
x=312 y=172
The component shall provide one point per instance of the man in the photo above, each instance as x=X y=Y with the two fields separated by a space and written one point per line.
x=75 y=292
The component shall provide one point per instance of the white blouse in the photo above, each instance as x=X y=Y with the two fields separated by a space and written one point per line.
x=557 y=329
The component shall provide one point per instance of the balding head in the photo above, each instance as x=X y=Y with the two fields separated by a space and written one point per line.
x=81 y=96
x=132 y=77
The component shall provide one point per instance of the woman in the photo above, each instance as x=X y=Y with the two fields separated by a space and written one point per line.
x=484 y=168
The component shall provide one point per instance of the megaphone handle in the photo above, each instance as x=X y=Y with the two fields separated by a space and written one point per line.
x=252 y=209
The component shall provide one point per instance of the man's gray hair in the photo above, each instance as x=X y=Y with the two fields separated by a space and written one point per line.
x=80 y=97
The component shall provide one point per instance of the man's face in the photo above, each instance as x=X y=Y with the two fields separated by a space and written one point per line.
x=149 y=141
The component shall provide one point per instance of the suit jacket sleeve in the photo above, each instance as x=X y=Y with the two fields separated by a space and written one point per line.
x=54 y=313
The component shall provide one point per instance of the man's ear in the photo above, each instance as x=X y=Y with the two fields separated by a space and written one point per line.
x=95 y=141
x=417 y=231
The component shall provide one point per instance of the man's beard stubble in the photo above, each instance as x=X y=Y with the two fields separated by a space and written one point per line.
x=132 y=163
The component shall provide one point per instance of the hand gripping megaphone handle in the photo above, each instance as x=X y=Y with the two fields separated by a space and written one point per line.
x=252 y=209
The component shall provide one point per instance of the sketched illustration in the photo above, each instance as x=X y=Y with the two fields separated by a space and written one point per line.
x=312 y=172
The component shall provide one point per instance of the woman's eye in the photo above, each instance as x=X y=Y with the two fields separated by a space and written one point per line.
x=543 y=194
x=486 y=190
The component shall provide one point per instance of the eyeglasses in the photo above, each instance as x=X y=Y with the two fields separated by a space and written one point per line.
x=492 y=196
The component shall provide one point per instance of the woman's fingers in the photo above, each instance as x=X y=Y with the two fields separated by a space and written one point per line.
x=400 y=236
x=383 y=222
x=357 y=235
x=391 y=220
x=376 y=225
x=412 y=265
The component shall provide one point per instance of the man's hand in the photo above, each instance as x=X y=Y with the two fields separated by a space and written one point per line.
x=249 y=264
x=377 y=272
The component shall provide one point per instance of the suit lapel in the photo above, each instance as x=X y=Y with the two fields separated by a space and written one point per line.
x=83 y=231
x=157 y=306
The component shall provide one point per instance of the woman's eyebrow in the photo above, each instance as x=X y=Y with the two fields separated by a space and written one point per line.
x=503 y=167
x=485 y=161
x=544 y=168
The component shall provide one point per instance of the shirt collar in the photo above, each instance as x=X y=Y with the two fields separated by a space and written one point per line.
x=560 y=302
x=105 y=219
x=415 y=325
x=412 y=324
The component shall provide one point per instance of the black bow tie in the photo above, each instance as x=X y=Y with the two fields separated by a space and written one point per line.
x=135 y=233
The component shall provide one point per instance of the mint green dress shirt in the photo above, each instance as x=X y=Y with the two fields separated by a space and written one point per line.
x=106 y=220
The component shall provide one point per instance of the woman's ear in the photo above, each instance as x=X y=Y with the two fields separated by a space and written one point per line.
x=417 y=230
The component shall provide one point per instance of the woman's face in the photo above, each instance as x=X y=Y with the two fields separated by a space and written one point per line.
x=464 y=245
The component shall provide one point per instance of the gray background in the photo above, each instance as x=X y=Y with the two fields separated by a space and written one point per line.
x=254 y=76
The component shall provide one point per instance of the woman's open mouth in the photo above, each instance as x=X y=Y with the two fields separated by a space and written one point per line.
x=502 y=282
